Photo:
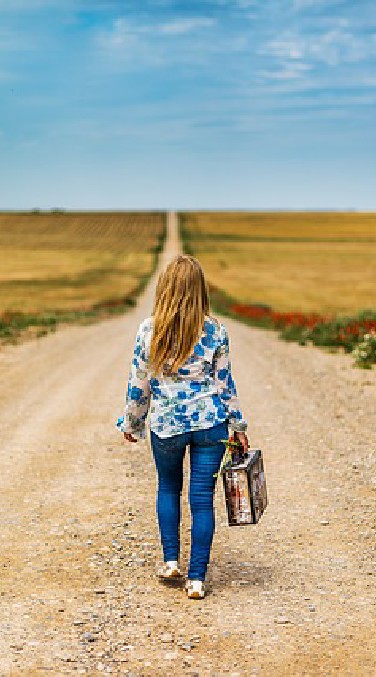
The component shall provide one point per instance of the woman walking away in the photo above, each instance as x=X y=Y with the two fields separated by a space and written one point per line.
x=181 y=370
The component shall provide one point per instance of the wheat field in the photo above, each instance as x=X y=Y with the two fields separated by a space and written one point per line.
x=304 y=261
x=69 y=261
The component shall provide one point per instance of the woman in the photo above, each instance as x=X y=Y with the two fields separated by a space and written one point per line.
x=181 y=370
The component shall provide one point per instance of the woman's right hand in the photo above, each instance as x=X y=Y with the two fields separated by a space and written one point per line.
x=129 y=437
x=243 y=439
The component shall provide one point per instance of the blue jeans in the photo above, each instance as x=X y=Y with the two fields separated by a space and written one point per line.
x=206 y=452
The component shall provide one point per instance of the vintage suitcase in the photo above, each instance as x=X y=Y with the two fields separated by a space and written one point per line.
x=245 y=489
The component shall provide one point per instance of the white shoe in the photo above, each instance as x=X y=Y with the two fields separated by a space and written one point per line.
x=169 y=570
x=195 y=589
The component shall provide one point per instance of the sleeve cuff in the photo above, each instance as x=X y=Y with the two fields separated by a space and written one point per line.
x=140 y=433
x=238 y=426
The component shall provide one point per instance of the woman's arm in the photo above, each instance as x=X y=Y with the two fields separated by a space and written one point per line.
x=226 y=385
x=137 y=398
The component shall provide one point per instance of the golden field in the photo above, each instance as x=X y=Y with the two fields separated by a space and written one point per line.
x=72 y=260
x=321 y=262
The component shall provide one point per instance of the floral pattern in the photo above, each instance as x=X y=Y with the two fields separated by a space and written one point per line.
x=200 y=395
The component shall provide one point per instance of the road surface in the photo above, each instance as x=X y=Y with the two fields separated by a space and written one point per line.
x=293 y=595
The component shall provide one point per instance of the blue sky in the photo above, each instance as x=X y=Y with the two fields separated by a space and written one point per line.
x=250 y=104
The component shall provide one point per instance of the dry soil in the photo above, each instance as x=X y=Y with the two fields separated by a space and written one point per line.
x=292 y=595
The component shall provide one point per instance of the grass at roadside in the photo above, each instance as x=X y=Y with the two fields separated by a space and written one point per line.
x=73 y=267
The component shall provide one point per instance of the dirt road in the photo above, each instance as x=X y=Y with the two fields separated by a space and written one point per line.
x=293 y=595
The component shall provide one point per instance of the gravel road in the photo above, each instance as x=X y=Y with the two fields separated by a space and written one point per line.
x=293 y=595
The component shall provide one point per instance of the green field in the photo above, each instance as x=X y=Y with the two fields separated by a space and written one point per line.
x=321 y=262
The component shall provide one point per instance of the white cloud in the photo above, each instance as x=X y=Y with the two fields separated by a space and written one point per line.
x=285 y=47
x=184 y=25
x=302 y=4
x=11 y=41
x=130 y=45
x=247 y=4
x=123 y=32
x=130 y=42
x=332 y=47
x=367 y=81
x=12 y=6
x=6 y=76
x=289 y=71
x=125 y=46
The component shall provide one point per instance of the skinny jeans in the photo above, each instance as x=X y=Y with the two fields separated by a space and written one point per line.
x=206 y=451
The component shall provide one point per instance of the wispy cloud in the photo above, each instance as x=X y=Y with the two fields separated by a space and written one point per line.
x=304 y=4
x=288 y=71
x=122 y=29
x=12 y=40
x=124 y=44
x=15 y=6
x=331 y=47
x=6 y=76
x=134 y=44
x=184 y=25
x=121 y=34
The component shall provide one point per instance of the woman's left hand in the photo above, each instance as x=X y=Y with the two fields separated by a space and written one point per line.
x=129 y=437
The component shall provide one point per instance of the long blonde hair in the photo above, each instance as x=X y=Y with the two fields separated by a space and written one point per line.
x=180 y=305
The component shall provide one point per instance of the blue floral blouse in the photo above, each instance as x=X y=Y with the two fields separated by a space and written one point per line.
x=200 y=395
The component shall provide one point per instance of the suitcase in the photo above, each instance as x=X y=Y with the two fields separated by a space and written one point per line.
x=245 y=488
